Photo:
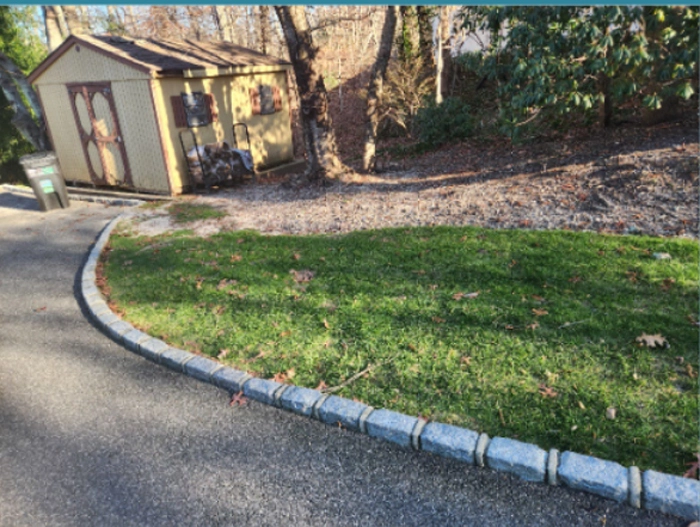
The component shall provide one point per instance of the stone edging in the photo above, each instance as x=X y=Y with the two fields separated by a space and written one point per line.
x=125 y=202
x=649 y=490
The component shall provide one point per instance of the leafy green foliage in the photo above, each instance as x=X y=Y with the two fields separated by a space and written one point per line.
x=449 y=121
x=573 y=59
x=517 y=333
x=24 y=48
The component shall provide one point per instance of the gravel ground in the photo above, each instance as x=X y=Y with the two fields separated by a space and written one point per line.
x=636 y=181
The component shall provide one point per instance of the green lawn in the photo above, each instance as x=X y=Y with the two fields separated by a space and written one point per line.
x=523 y=334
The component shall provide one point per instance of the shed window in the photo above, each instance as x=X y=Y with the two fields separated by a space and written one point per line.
x=194 y=109
x=265 y=99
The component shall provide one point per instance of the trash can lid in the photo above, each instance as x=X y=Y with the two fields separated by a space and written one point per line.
x=38 y=159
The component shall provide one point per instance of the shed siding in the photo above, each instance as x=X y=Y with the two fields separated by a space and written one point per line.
x=270 y=135
x=64 y=132
x=132 y=99
x=87 y=65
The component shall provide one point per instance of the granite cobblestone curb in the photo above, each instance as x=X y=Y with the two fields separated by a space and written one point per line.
x=649 y=490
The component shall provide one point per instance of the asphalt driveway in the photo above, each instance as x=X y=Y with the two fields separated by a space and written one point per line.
x=92 y=434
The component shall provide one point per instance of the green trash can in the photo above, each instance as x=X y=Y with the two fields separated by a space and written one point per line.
x=45 y=177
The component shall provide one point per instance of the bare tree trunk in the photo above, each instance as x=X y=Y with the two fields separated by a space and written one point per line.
x=193 y=17
x=409 y=27
x=223 y=23
x=374 y=90
x=265 y=30
x=445 y=32
x=12 y=81
x=425 y=38
x=75 y=26
x=319 y=137
x=53 y=29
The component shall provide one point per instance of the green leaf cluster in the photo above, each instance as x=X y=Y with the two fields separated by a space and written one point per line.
x=19 y=41
x=570 y=59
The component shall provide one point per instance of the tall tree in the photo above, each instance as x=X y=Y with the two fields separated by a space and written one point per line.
x=319 y=137
x=73 y=21
x=425 y=15
x=16 y=56
x=54 y=36
x=374 y=90
x=264 y=29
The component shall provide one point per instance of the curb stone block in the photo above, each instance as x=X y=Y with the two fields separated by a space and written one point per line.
x=98 y=306
x=90 y=291
x=152 y=348
x=118 y=329
x=671 y=494
x=526 y=461
x=416 y=432
x=600 y=477
x=480 y=451
x=175 y=358
x=449 y=441
x=362 y=423
x=391 y=426
x=133 y=338
x=278 y=395
x=230 y=379
x=552 y=466
x=201 y=368
x=300 y=400
x=261 y=390
x=110 y=318
x=314 y=411
x=89 y=276
x=344 y=411
x=635 y=485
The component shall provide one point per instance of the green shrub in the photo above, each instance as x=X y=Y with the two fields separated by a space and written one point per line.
x=442 y=123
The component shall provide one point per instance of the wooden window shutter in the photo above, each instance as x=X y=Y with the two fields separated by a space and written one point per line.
x=277 y=98
x=212 y=108
x=179 y=111
x=255 y=101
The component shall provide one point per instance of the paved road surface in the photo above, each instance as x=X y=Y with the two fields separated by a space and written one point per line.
x=91 y=434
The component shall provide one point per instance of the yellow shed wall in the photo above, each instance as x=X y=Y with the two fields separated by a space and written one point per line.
x=135 y=110
x=270 y=135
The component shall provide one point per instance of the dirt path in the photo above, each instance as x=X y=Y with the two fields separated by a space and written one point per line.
x=626 y=181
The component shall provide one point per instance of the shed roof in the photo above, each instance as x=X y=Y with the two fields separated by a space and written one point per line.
x=163 y=57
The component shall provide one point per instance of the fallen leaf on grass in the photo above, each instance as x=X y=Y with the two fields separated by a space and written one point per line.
x=321 y=386
x=692 y=472
x=223 y=353
x=285 y=333
x=694 y=322
x=539 y=312
x=302 y=276
x=236 y=258
x=611 y=413
x=691 y=372
x=460 y=295
x=296 y=256
x=652 y=341
x=280 y=377
x=438 y=320
x=512 y=264
x=326 y=324
x=466 y=361
x=509 y=327
x=238 y=399
x=538 y=298
x=546 y=391
x=533 y=326
x=667 y=283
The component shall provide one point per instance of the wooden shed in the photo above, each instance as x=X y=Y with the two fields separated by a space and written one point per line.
x=115 y=107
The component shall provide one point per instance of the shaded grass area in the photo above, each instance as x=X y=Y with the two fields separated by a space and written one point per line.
x=523 y=334
x=185 y=212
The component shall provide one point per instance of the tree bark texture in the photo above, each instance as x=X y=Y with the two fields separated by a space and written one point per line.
x=264 y=29
x=53 y=29
x=425 y=38
x=375 y=88
x=319 y=137
x=13 y=84
x=73 y=22
x=409 y=29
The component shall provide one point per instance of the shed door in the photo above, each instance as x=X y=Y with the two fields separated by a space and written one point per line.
x=98 y=126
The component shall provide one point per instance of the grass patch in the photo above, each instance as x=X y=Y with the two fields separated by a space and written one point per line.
x=185 y=212
x=539 y=354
